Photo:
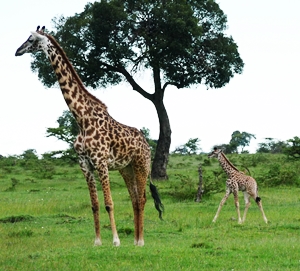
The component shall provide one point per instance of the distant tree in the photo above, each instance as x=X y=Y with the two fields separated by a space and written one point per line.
x=191 y=147
x=271 y=146
x=67 y=129
x=29 y=154
x=240 y=140
x=227 y=148
x=293 y=147
x=69 y=156
x=182 y=43
x=152 y=142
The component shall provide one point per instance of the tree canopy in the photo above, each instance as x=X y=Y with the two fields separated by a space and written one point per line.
x=67 y=129
x=182 y=42
x=292 y=148
x=191 y=147
x=272 y=146
x=240 y=139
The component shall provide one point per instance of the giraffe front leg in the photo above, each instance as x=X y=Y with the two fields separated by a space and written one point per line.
x=237 y=206
x=221 y=204
x=109 y=206
x=88 y=173
x=95 y=209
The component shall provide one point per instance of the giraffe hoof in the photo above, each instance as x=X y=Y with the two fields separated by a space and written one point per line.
x=116 y=242
x=139 y=243
x=97 y=242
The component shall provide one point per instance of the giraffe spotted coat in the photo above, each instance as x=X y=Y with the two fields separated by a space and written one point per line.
x=103 y=144
x=237 y=181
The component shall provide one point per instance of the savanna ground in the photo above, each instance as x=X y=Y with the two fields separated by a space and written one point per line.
x=46 y=219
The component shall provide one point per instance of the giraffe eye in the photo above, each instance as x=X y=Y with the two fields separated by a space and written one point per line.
x=30 y=39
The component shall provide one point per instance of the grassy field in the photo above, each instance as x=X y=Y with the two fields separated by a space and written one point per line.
x=46 y=223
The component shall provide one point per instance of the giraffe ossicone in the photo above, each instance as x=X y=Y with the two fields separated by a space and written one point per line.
x=237 y=181
x=103 y=144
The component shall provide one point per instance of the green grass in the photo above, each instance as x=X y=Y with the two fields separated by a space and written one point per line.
x=46 y=224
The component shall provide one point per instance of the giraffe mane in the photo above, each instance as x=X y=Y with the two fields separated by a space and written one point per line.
x=73 y=71
x=224 y=156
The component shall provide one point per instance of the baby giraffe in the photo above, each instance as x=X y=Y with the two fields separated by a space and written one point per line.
x=237 y=181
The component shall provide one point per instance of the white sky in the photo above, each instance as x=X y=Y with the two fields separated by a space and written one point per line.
x=263 y=100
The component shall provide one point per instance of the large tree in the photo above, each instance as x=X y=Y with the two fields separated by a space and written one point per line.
x=182 y=42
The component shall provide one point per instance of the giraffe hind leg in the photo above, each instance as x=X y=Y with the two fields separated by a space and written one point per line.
x=136 y=185
x=259 y=204
x=247 y=204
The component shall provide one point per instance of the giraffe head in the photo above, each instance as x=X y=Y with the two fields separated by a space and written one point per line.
x=37 y=41
x=215 y=153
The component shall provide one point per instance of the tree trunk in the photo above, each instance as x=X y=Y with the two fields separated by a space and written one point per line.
x=199 y=191
x=161 y=158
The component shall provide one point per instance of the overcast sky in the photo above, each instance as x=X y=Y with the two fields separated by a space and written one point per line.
x=263 y=100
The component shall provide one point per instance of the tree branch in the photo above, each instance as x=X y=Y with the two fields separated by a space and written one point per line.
x=129 y=78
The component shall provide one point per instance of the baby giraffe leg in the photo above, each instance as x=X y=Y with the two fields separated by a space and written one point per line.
x=237 y=205
x=259 y=203
x=221 y=204
x=247 y=204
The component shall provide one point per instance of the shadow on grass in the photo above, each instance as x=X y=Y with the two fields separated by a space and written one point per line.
x=15 y=219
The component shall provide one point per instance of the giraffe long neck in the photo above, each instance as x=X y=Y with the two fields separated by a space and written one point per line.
x=227 y=166
x=80 y=102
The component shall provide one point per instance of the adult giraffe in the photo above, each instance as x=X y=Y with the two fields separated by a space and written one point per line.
x=103 y=143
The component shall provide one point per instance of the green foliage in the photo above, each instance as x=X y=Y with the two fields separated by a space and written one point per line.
x=271 y=146
x=67 y=129
x=44 y=169
x=15 y=219
x=109 y=36
x=52 y=228
x=28 y=159
x=292 y=148
x=278 y=174
x=152 y=142
x=191 y=147
x=182 y=43
x=68 y=156
x=14 y=183
x=239 y=140
x=29 y=155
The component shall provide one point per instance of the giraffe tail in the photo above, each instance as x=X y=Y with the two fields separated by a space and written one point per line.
x=258 y=199
x=157 y=202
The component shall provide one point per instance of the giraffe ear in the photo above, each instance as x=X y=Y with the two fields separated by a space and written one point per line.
x=36 y=35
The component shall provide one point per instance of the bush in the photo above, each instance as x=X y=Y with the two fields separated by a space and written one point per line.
x=280 y=174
